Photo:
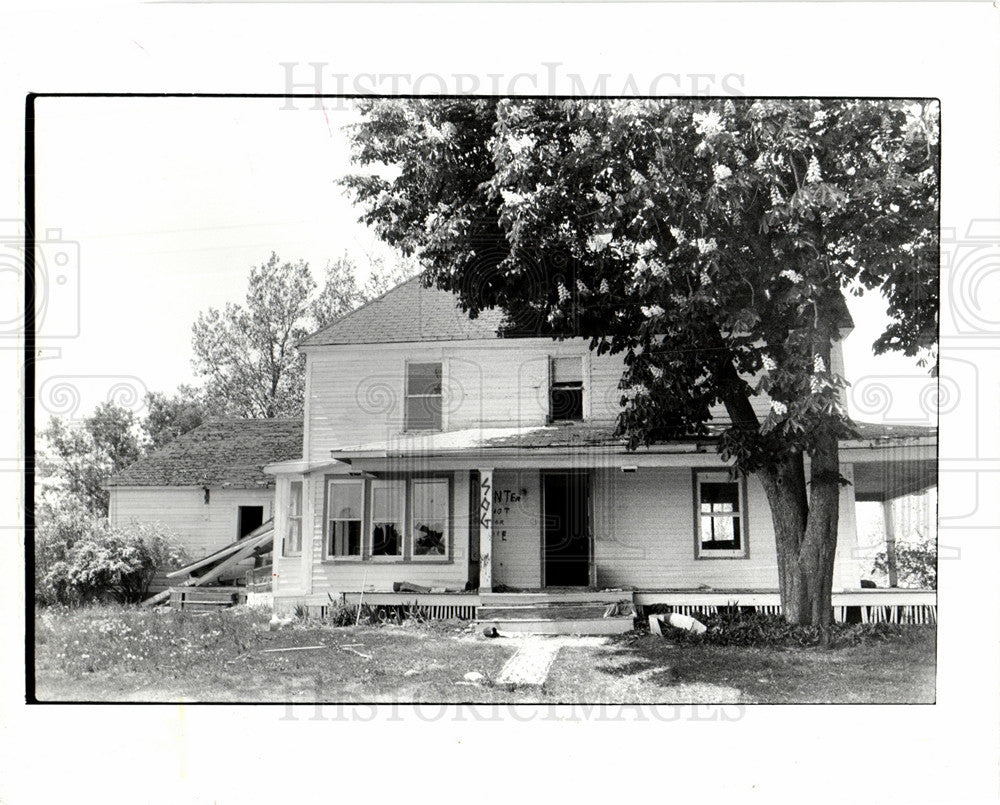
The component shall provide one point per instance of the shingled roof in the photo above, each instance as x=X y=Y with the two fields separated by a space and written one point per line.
x=221 y=453
x=408 y=312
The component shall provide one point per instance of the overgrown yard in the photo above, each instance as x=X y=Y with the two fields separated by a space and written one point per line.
x=127 y=654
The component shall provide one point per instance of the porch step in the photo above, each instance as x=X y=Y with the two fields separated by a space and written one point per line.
x=568 y=597
x=576 y=612
x=554 y=611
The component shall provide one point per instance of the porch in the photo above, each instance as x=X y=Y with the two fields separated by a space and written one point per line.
x=898 y=606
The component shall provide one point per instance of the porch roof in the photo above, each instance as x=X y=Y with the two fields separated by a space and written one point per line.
x=563 y=437
x=573 y=436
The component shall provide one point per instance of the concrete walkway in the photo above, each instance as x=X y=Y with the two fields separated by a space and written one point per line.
x=535 y=654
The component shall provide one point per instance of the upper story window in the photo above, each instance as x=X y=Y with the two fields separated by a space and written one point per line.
x=423 y=397
x=720 y=503
x=292 y=545
x=566 y=389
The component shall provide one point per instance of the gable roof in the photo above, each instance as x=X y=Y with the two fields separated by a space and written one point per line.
x=220 y=453
x=408 y=312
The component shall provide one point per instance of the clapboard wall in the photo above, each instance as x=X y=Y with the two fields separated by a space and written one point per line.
x=199 y=527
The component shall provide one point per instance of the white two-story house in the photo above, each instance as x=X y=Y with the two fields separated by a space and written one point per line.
x=439 y=455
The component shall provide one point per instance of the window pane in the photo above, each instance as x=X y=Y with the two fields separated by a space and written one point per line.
x=721 y=533
x=430 y=518
x=293 y=542
x=386 y=540
x=295 y=499
x=345 y=500
x=346 y=537
x=387 y=517
x=567 y=370
x=565 y=404
x=722 y=497
x=423 y=413
x=423 y=378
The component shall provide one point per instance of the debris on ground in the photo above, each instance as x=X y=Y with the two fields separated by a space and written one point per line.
x=355 y=651
x=620 y=609
x=291 y=648
x=474 y=677
x=279 y=623
x=491 y=631
x=678 y=621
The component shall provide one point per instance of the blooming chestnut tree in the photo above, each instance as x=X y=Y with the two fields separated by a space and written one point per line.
x=711 y=242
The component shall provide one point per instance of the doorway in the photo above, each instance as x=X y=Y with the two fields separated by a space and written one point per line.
x=565 y=529
x=247 y=519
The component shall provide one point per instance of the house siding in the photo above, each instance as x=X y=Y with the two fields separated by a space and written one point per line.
x=199 y=527
x=356 y=395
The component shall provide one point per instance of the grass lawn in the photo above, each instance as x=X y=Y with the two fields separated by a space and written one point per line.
x=139 y=655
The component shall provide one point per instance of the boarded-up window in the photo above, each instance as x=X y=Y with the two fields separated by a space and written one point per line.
x=430 y=518
x=345 y=501
x=566 y=389
x=423 y=396
x=720 y=516
x=293 y=534
x=388 y=500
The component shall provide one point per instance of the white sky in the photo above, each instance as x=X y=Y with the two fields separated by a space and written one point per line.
x=173 y=200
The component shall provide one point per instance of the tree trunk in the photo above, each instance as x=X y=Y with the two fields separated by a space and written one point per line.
x=805 y=527
x=806 y=532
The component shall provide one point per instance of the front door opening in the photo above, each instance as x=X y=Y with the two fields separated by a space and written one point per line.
x=247 y=519
x=566 y=530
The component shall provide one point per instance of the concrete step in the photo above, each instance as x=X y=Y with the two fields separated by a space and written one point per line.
x=556 y=597
x=587 y=626
x=560 y=611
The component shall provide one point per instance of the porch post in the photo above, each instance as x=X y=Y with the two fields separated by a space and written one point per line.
x=890 y=542
x=485 y=529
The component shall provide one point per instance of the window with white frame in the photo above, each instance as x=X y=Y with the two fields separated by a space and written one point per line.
x=292 y=545
x=720 y=520
x=345 y=514
x=388 y=518
x=388 y=512
x=422 y=409
x=566 y=389
x=429 y=505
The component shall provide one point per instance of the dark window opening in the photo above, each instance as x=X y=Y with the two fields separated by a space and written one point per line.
x=566 y=389
x=248 y=518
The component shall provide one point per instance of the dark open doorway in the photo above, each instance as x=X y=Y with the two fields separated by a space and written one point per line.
x=247 y=519
x=566 y=530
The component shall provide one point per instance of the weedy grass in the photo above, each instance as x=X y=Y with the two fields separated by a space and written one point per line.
x=94 y=639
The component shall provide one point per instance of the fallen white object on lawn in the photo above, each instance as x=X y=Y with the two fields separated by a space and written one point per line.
x=678 y=621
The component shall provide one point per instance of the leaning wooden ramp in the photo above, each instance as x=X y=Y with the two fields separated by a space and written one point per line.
x=584 y=612
x=203 y=591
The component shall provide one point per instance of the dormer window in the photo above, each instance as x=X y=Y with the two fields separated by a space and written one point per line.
x=423 y=397
x=566 y=389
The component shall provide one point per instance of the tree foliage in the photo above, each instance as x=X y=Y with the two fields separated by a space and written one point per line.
x=246 y=354
x=709 y=241
x=169 y=416
x=77 y=458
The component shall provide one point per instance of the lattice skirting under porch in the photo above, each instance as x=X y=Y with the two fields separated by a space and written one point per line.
x=431 y=612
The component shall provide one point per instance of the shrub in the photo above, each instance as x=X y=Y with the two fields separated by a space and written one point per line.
x=735 y=627
x=81 y=558
x=916 y=563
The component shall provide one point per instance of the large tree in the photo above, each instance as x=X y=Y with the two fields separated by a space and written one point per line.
x=77 y=458
x=246 y=354
x=711 y=242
